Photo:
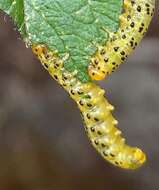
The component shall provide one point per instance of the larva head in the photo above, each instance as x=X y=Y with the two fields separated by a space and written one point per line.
x=38 y=49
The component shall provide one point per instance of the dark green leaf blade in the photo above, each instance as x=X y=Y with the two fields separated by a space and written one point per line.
x=72 y=27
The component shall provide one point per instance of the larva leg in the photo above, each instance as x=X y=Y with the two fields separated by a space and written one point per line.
x=133 y=25
x=96 y=112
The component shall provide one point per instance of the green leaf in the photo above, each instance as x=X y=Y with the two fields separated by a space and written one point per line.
x=73 y=27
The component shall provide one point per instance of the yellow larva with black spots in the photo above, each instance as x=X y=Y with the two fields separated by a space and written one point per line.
x=96 y=113
x=134 y=23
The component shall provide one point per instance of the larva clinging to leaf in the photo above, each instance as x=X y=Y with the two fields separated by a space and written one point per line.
x=96 y=112
x=134 y=23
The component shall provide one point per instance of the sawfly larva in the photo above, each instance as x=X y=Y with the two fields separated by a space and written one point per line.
x=96 y=112
x=134 y=23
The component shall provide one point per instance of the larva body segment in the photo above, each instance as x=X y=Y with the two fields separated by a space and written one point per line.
x=96 y=112
x=134 y=23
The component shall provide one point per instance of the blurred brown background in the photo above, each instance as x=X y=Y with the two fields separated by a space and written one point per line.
x=43 y=145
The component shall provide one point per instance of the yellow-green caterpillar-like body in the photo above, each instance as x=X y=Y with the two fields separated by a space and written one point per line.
x=134 y=23
x=95 y=109
x=96 y=112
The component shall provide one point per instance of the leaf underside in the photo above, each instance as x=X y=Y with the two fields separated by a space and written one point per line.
x=72 y=27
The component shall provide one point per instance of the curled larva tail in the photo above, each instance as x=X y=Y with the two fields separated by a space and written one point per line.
x=96 y=112
x=101 y=127
x=134 y=23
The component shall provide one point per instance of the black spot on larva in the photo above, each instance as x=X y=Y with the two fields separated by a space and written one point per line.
x=113 y=63
x=105 y=154
x=80 y=93
x=103 y=72
x=124 y=36
x=122 y=58
x=132 y=3
x=99 y=132
x=89 y=105
x=64 y=78
x=128 y=17
x=132 y=24
x=141 y=29
x=64 y=84
x=47 y=56
x=106 y=60
x=56 y=77
x=102 y=52
x=103 y=145
x=81 y=103
x=147 y=5
x=92 y=129
x=148 y=11
x=98 y=68
x=122 y=52
x=46 y=66
x=139 y=8
x=72 y=92
x=96 y=119
x=57 y=65
x=117 y=163
x=96 y=61
x=131 y=43
x=112 y=155
x=96 y=142
x=36 y=49
x=88 y=116
x=116 y=48
x=88 y=96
